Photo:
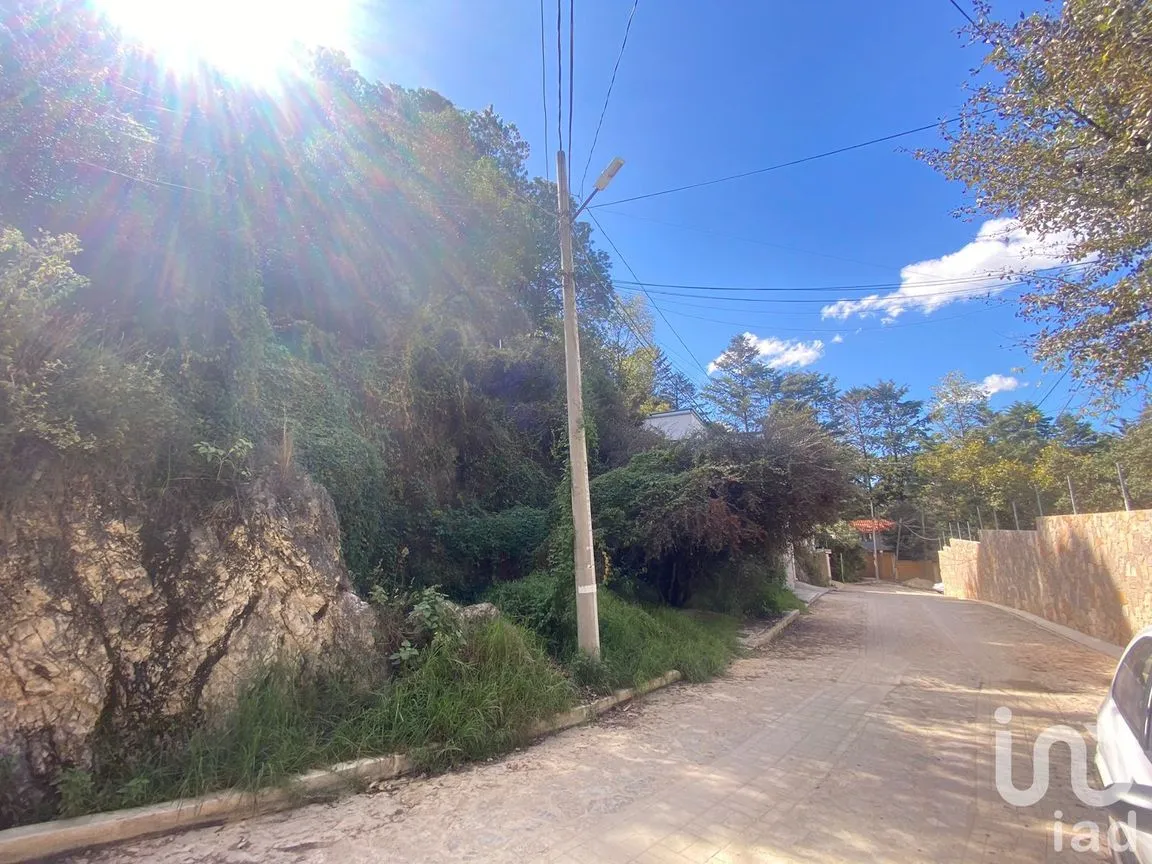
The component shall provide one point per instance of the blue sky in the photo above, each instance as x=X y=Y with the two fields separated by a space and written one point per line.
x=710 y=89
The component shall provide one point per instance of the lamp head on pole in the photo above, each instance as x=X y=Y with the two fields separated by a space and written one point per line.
x=608 y=173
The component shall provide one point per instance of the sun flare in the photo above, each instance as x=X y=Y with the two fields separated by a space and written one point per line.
x=249 y=39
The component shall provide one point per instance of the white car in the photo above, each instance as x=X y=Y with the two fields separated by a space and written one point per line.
x=1123 y=747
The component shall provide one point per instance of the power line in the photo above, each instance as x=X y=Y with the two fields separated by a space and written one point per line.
x=608 y=95
x=1051 y=389
x=755 y=241
x=780 y=165
x=571 y=66
x=745 y=322
x=559 y=75
x=960 y=9
x=544 y=93
x=716 y=307
x=1001 y=280
x=909 y=300
x=664 y=317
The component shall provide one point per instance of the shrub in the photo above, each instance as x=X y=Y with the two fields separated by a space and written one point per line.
x=479 y=701
x=637 y=643
x=545 y=603
x=64 y=393
x=745 y=587
x=464 y=699
x=489 y=547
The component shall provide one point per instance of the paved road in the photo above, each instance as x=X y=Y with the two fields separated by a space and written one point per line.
x=864 y=734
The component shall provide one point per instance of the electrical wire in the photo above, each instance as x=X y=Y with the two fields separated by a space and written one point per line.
x=571 y=67
x=608 y=95
x=960 y=9
x=780 y=165
x=1063 y=375
x=559 y=76
x=716 y=304
x=840 y=330
x=544 y=92
x=755 y=241
x=864 y=286
x=828 y=301
x=664 y=317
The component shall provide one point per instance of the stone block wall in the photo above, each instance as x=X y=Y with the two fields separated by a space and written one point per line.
x=1091 y=572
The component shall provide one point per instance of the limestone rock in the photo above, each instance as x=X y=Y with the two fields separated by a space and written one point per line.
x=114 y=621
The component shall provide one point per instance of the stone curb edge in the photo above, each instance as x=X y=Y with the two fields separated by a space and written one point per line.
x=775 y=630
x=46 y=839
x=1113 y=651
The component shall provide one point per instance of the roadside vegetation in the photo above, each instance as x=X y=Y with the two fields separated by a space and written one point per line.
x=195 y=295
x=471 y=692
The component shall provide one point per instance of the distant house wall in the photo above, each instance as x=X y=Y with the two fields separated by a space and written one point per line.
x=887 y=562
x=927 y=570
x=1092 y=572
x=675 y=425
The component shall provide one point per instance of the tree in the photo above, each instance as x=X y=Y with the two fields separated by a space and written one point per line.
x=815 y=392
x=886 y=430
x=959 y=406
x=1060 y=141
x=742 y=387
x=673 y=386
x=1022 y=429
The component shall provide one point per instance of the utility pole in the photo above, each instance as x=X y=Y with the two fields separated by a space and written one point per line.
x=587 y=615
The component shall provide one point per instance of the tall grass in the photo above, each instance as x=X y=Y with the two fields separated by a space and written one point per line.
x=641 y=643
x=465 y=700
x=638 y=643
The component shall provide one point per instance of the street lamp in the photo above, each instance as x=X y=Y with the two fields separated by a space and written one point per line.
x=587 y=617
x=602 y=182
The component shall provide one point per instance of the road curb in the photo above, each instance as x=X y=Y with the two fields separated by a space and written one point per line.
x=46 y=839
x=1113 y=651
x=772 y=632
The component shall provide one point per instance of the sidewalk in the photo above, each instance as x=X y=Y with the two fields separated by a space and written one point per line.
x=809 y=593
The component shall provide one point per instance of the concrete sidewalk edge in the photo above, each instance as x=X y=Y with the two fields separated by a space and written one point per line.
x=772 y=632
x=46 y=839
x=1113 y=651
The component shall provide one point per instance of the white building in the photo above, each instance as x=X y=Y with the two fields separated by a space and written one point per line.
x=676 y=425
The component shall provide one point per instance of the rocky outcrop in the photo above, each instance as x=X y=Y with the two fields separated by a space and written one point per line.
x=115 y=623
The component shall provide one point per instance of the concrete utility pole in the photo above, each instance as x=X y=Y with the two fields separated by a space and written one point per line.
x=587 y=615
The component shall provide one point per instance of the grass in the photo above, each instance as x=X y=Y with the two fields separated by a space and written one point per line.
x=640 y=643
x=465 y=700
x=468 y=696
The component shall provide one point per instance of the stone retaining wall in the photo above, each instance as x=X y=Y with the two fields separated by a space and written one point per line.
x=1092 y=572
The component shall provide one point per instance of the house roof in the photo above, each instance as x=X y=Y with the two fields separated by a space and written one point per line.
x=678 y=413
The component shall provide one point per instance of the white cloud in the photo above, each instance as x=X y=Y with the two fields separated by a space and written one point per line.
x=837 y=339
x=996 y=383
x=1000 y=254
x=782 y=353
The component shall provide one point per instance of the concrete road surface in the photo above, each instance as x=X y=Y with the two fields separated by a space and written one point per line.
x=864 y=734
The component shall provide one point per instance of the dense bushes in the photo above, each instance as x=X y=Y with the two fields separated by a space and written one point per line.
x=65 y=392
x=638 y=643
x=482 y=548
x=674 y=521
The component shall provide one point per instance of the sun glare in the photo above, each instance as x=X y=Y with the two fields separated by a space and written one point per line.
x=249 y=39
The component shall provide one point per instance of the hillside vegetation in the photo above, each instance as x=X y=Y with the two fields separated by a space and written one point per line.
x=204 y=285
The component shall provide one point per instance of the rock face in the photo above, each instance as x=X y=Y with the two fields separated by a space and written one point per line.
x=118 y=623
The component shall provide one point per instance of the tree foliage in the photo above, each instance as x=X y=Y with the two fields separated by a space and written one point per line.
x=1060 y=138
